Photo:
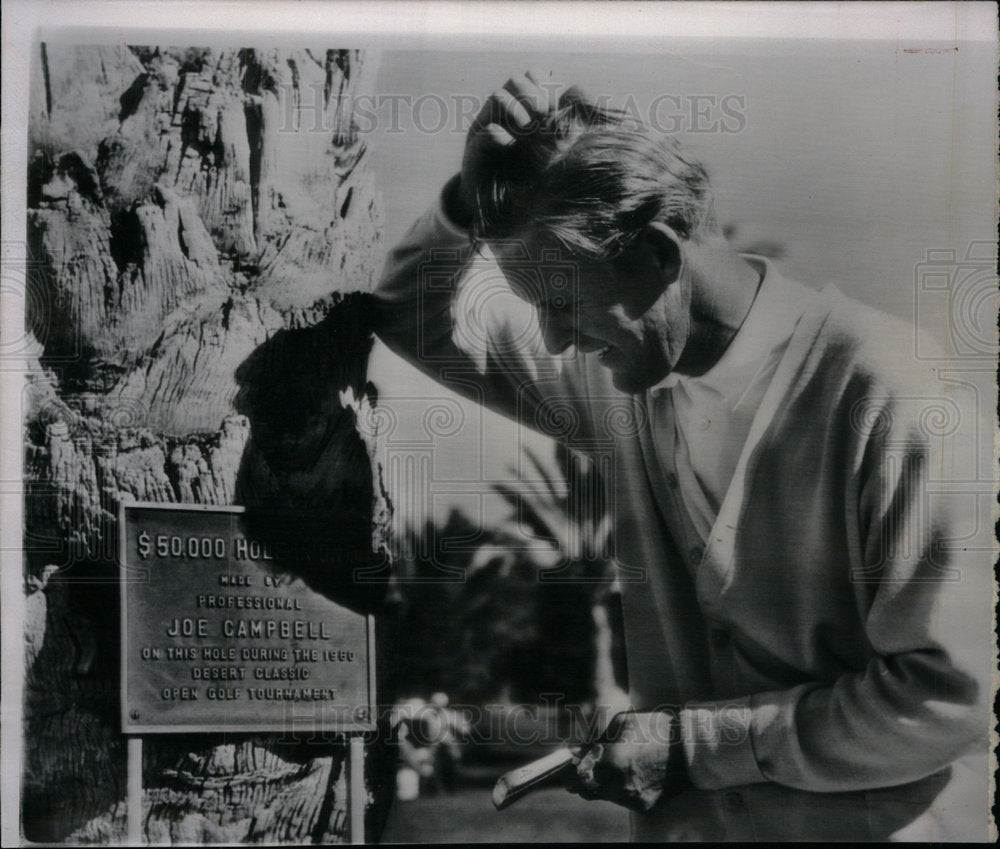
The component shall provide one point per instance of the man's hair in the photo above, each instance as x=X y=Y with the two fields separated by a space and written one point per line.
x=593 y=179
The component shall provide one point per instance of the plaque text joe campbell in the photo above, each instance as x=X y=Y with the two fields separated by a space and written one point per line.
x=220 y=633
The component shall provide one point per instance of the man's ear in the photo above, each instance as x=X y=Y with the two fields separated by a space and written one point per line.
x=665 y=246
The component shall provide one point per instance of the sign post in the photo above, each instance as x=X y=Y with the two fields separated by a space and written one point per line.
x=221 y=632
x=133 y=791
x=356 y=793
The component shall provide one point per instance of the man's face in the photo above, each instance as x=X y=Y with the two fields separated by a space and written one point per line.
x=632 y=312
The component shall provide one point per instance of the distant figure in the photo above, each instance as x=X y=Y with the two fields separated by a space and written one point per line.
x=454 y=729
x=428 y=735
x=415 y=761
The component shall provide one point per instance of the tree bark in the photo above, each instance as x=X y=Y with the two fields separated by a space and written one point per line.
x=203 y=231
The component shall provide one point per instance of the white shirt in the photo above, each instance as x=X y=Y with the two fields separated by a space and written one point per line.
x=701 y=423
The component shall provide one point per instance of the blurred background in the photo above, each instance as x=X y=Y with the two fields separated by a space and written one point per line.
x=867 y=164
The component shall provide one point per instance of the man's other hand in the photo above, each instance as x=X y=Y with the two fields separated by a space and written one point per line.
x=634 y=763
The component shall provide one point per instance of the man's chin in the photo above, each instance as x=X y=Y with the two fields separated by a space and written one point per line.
x=630 y=382
x=635 y=381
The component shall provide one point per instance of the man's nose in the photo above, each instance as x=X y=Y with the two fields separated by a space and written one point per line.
x=557 y=332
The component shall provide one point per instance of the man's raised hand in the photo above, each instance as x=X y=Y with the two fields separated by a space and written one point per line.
x=512 y=110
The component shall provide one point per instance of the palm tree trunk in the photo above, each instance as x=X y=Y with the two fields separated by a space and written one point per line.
x=203 y=228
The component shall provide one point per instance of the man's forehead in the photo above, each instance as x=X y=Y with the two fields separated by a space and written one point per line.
x=531 y=246
x=540 y=270
x=544 y=257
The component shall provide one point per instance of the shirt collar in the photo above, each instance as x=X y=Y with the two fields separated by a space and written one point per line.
x=766 y=328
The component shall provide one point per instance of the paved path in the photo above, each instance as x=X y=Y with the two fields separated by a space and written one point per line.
x=468 y=816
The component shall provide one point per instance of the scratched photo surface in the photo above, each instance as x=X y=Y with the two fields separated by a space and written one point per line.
x=724 y=460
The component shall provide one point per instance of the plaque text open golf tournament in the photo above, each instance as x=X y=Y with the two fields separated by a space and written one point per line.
x=220 y=634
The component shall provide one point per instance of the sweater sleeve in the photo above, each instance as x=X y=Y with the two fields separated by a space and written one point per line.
x=448 y=311
x=920 y=702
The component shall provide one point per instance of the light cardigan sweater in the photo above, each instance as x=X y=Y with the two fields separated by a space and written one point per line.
x=829 y=654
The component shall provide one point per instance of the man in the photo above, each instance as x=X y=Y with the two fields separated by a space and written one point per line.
x=809 y=650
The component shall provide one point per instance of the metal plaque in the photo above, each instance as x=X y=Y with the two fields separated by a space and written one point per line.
x=221 y=632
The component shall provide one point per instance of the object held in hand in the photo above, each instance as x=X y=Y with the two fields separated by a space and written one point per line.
x=519 y=782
